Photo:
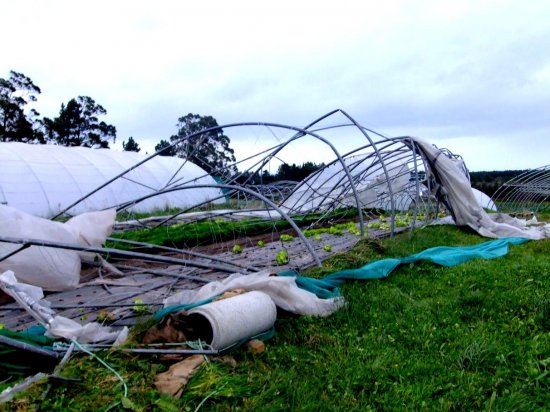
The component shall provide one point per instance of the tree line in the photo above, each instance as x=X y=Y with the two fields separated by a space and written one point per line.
x=285 y=171
x=489 y=181
x=78 y=124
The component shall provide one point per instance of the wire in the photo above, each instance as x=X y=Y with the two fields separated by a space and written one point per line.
x=106 y=365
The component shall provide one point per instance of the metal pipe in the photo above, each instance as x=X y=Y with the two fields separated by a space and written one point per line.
x=146 y=351
x=120 y=253
x=255 y=194
x=4 y=340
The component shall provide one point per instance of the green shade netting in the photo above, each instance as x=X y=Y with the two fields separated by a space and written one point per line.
x=442 y=255
x=14 y=360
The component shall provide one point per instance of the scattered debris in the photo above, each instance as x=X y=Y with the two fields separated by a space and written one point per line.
x=255 y=346
x=173 y=381
x=172 y=328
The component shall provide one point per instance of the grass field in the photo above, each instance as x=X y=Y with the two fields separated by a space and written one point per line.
x=471 y=337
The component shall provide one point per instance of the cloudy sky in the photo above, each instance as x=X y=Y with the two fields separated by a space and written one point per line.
x=472 y=76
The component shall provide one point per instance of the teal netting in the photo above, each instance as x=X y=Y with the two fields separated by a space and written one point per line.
x=442 y=255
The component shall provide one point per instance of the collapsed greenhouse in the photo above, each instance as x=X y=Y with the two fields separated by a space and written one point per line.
x=146 y=230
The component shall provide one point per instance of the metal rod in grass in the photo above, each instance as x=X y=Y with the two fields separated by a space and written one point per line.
x=153 y=351
x=59 y=367
x=197 y=348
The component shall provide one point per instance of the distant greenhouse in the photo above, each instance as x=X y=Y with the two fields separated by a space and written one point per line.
x=45 y=179
x=329 y=187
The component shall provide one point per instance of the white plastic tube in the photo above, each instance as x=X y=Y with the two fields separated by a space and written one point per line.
x=233 y=319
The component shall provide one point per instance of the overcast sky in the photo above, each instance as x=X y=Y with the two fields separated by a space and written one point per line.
x=472 y=76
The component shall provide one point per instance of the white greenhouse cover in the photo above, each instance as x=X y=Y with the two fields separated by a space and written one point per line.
x=51 y=268
x=44 y=179
x=483 y=200
x=465 y=207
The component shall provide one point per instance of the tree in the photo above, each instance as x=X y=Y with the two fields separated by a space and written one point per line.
x=297 y=173
x=161 y=147
x=78 y=125
x=209 y=150
x=131 y=146
x=15 y=93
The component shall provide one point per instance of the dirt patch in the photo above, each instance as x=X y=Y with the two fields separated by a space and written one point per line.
x=248 y=241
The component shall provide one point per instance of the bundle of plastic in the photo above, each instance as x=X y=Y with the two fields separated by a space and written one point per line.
x=50 y=268
x=31 y=298
x=456 y=192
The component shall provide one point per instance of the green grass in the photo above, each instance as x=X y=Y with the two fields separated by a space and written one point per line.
x=470 y=337
x=543 y=214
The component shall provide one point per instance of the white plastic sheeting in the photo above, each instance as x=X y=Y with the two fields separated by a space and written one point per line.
x=283 y=290
x=483 y=200
x=44 y=179
x=50 y=268
x=405 y=200
x=31 y=299
x=461 y=200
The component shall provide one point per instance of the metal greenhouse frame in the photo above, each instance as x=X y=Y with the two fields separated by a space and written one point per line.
x=380 y=176
x=526 y=193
